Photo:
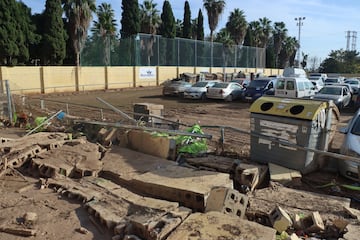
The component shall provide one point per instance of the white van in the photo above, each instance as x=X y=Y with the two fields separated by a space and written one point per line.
x=294 y=84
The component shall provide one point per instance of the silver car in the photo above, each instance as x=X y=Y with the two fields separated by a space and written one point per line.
x=198 y=90
x=175 y=88
x=339 y=94
x=351 y=147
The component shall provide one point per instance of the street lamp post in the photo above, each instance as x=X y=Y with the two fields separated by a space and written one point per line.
x=299 y=23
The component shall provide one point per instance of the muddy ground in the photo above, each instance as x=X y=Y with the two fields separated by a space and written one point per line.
x=61 y=219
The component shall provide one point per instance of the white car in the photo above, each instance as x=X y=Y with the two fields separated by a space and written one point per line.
x=227 y=91
x=198 y=90
x=351 y=147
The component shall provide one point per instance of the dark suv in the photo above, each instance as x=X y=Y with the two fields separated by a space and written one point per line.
x=259 y=87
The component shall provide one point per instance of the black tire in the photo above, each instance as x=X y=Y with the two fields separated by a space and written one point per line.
x=203 y=97
x=229 y=98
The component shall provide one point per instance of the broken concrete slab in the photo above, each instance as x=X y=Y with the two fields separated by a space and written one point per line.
x=189 y=187
x=283 y=175
x=215 y=225
x=73 y=159
x=227 y=201
x=121 y=210
x=353 y=232
x=121 y=164
x=301 y=202
x=43 y=139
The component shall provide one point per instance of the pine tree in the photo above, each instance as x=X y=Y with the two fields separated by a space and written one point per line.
x=130 y=18
x=168 y=25
x=55 y=36
x=200 y=26
x=187 y=21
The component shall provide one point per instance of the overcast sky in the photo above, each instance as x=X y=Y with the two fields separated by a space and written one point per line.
x=323 y=30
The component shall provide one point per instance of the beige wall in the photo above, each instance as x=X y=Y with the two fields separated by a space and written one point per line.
x=59 y=79
x=27 y=80
x=166 y=73
x=120 y=77
x=22 y=80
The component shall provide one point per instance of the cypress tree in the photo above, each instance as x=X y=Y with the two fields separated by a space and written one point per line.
x=200 y=26
x=55 y=36
x=187 y=21
x=168 y=25
x=8 y=32
x=130 y=18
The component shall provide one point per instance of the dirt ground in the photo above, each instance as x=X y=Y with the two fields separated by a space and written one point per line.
x=62 y=219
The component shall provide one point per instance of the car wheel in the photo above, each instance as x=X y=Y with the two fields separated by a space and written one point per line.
x=203 y=96
x=229 y=98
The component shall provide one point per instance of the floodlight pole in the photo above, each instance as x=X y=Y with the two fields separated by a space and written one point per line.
x=299 y=23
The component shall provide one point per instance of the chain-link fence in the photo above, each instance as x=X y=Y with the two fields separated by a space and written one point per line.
x=154 y=50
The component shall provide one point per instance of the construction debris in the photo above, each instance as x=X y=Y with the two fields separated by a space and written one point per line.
x=215 y=225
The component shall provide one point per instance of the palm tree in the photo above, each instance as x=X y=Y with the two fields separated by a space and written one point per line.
x=255 y=28
x=225 y=38
x=288 y=51
x=214 y=9
x=149 y=17
x=105 y=28
x=266 y=31
x=279 y=34
x=149 y=23
x=79 y=16
x=237 y=26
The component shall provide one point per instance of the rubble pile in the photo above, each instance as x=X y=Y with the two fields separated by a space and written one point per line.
x=146 y=194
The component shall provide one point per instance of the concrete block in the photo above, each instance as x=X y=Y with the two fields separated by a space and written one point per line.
x=280 y=219
x=353 y=232
x=283 y=175
x=227 y=201
x=352 y=212
x=215 y=226
x=313 y=223
x=249 y=175
x=187 y=186
x=147 y=143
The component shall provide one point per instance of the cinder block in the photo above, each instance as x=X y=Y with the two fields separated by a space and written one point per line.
x=228 y=201
x=279 y=219
x=249 y=175
x=313 y=223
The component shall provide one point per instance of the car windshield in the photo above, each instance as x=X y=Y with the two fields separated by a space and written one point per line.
x=200 y=84
x=220 y=85
x=258 y=83
x=331 y=90
x=331 y=80
x=356 y=128
x=353 y=82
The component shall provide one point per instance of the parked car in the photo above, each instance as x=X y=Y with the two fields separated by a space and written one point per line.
x=198 y=90
x=243 y=82
x=354 y=83
x=318 y=83
x=259 y=87
x=339 y=94
x=332 y=80
x=228 y=91
x=351 y=146
x=175 y=88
